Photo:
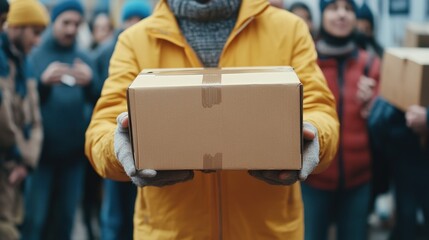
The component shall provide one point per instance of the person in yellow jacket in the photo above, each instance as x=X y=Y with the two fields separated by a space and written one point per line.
x=225 y=204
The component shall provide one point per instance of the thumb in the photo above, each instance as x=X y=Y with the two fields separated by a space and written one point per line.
x=124 y=123
x=122 y=120
x=308 y=133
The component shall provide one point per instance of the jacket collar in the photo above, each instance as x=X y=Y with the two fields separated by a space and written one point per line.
x=18 y=59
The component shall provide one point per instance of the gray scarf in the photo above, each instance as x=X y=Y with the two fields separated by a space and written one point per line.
x=328 y=50
x=206 y=27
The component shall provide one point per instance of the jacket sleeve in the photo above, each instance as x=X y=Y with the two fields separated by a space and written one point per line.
x=38 y=69
x=27 y=146
x=374 y=73
x=319 y=104
x=7 y=136
x=93 y=89
x=99 y=142
x=31 y=147
x=378 y=127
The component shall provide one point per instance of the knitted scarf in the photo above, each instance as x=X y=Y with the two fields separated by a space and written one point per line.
x=330 y=46
x=206 y=26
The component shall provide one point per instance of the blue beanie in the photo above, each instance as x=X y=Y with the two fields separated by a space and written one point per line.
x=66 y=5
x=135 y=8
x=325 y=3
x=364 y=12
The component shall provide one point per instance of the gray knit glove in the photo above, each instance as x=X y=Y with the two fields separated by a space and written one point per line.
x=288 y=177
x=144 y=177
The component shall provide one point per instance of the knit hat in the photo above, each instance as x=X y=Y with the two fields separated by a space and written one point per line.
x=325 y=3
x=364 y=13
x=135 y=8
x=301 y=5
x=27 y=12
x=66 y=5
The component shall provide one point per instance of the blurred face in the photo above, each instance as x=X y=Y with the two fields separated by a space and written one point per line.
x=339 y=19
x=131 y=21
x=302 y=13
x=66 y=27
x=25 y=38
x=102 y=28
x=364 y=26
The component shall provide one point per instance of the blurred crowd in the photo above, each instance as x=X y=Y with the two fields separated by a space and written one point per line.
x=68 y=80
x=50 y=83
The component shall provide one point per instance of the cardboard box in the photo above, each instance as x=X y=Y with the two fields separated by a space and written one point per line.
x=417 y=35
x=405 y=77
x=230 y=118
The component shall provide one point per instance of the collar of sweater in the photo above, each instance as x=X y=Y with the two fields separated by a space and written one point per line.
x=210 y=11
x=328 y=50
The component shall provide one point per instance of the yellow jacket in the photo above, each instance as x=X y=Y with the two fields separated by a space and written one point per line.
x=227 y=204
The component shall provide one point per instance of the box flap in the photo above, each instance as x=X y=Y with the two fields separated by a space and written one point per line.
x=418 y=55
x=420 y=28
x=229 y=76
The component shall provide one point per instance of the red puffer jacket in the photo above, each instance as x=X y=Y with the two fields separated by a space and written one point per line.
x=352 y=165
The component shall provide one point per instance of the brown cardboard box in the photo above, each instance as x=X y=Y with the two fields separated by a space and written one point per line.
x=405 y=77
x=417 y=35
x=234 y=118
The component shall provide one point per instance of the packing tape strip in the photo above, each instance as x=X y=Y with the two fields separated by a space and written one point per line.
x=218 y=71
x=212 y=162
x=211 y=92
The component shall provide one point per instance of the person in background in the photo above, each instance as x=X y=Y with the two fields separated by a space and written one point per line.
x=341 y=194
x=303 y=11
x=381 y=181
x=102 y=29
x=21 y=130
x=366 y=31
x=258 y=204
x=133 y=11
x=68 y=88
x=118 y=197
x=101 y=32
x=401 y=138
